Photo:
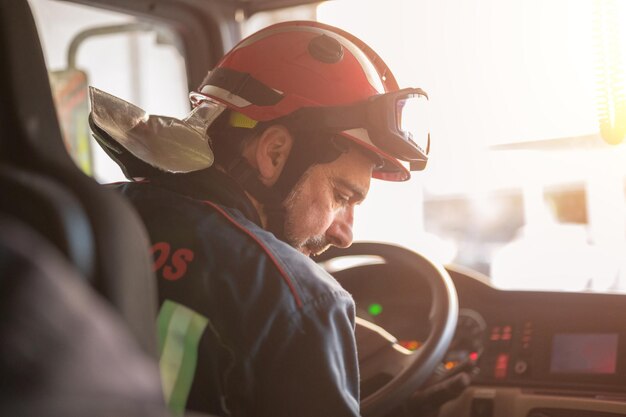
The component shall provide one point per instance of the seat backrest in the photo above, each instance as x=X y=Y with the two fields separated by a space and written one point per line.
x=93 y=227
x=64 y=352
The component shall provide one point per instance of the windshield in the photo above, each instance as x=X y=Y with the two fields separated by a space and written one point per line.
x=520 y=185
x=526 y=95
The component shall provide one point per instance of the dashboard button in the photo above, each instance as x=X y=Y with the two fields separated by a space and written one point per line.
x=521 y=367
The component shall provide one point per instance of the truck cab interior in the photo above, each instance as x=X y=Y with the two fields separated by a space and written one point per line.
x=490 y=285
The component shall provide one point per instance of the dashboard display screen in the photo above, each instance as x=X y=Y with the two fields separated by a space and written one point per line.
x=584 y=353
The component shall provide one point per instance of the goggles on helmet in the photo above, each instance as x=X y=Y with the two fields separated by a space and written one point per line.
x=396 y=123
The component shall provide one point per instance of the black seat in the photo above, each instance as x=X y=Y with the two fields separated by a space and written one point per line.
x=96 y=230
x=64 y=352
x=77 y=292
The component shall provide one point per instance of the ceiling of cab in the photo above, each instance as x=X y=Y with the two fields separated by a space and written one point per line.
x=248 y=6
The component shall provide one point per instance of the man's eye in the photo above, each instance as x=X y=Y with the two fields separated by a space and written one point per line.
x=342 y=198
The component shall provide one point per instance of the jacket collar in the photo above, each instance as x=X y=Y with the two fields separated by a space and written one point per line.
x=213 y=185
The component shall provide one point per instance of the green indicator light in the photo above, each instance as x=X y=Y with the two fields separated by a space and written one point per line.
x=375 y=309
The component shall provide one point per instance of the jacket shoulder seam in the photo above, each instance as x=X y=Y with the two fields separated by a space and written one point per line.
x=267 y=251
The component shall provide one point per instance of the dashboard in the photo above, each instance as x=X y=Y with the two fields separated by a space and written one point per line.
x=542 y=352
x=562 y=341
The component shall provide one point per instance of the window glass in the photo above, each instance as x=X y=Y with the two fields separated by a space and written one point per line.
x=139 y=61
x=522 y=183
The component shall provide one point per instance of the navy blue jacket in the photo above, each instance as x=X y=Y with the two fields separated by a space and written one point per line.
x=248 y=326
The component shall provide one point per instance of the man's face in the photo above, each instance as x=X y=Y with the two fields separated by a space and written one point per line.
x=320 y=209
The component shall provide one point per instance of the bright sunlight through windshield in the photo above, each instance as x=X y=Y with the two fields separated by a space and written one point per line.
x=520 y=184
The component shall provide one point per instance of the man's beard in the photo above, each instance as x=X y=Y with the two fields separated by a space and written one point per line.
x=310 y=246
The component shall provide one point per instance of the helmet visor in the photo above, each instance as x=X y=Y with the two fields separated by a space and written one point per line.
x=398 y=124
x=412 y=120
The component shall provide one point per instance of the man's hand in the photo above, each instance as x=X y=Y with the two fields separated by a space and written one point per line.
x=442 y=387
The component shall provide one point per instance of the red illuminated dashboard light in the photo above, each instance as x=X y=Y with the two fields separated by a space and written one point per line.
x=502 y=365
x=495 y=333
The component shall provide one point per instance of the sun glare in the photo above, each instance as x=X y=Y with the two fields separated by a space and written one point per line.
x=502 y=72
x=610 y=45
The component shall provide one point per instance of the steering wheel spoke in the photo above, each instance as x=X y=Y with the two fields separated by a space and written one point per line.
x=379 y=351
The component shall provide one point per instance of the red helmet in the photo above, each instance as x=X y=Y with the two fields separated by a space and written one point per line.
x=301 y=65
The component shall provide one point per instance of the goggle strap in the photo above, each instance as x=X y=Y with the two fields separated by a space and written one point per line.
x=308 y=117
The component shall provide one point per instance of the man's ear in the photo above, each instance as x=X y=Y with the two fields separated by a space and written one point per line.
x=272 y=150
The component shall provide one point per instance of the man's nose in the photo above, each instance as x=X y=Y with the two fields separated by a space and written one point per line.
x=340 y=231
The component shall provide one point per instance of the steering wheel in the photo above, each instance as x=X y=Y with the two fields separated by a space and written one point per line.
x=401 y=372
